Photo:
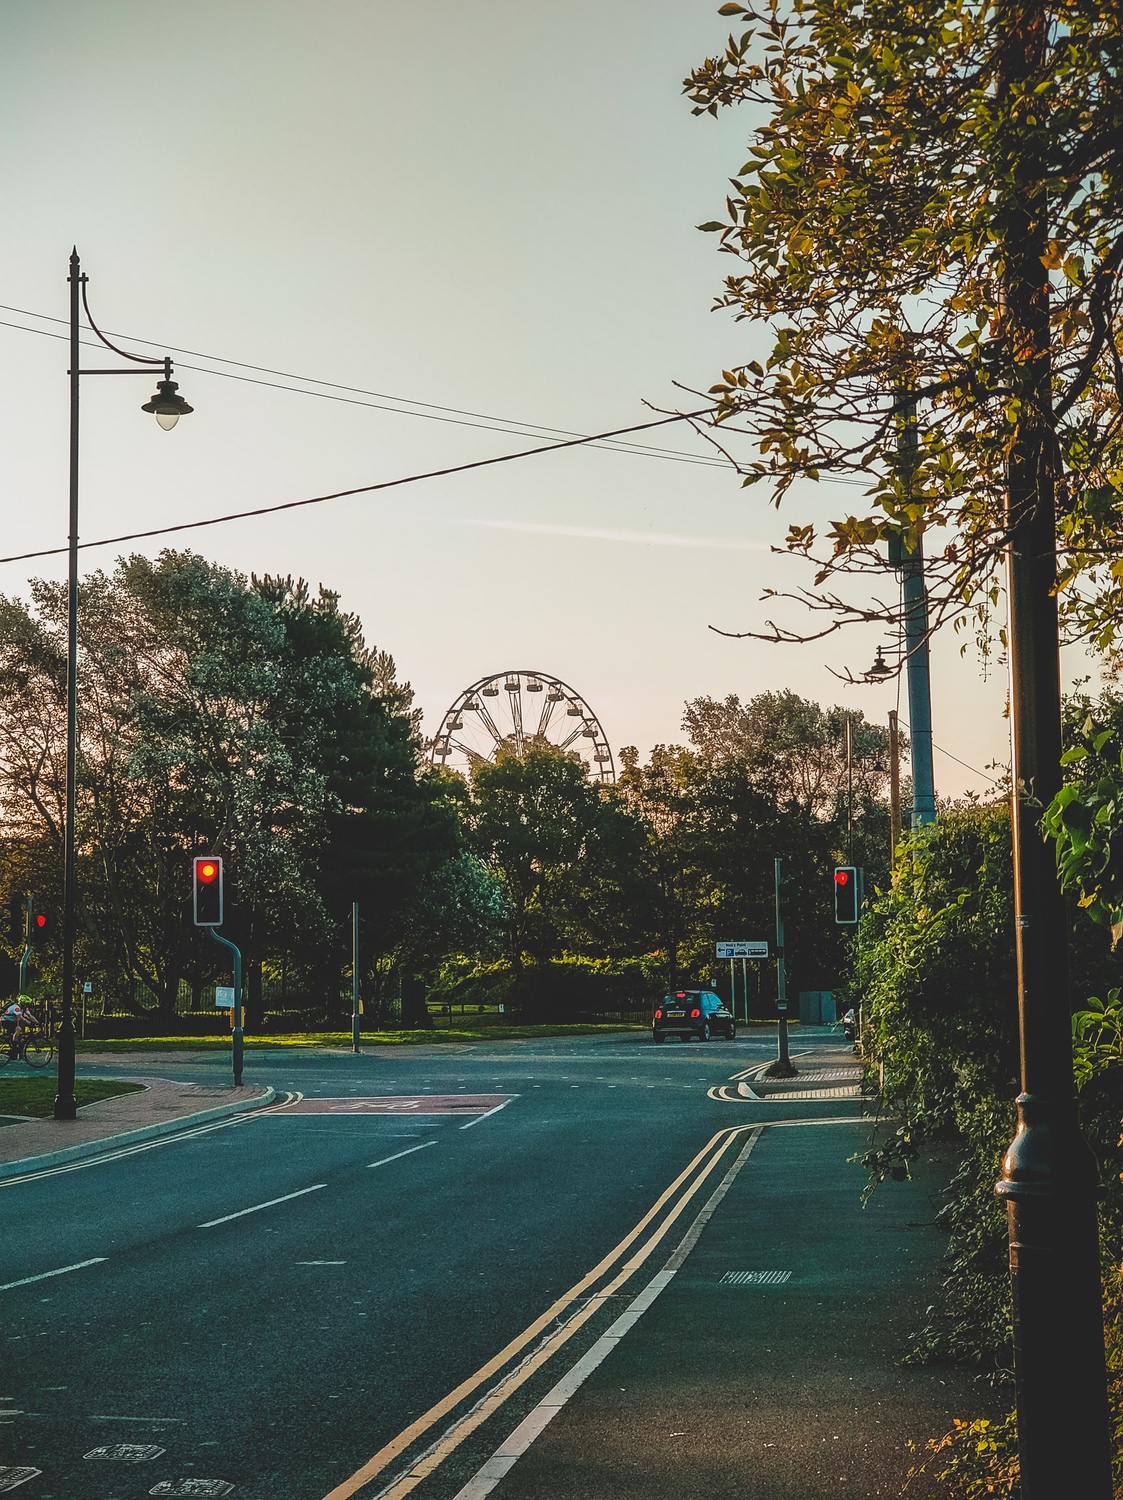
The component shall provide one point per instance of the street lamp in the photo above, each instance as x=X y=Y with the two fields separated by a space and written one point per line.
x=881 y=670
x=168 y=407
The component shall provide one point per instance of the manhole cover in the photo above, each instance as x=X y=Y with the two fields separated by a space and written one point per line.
x=127 y=1453
x=192 y=1487
x=754 y=1278
x=9 y=1478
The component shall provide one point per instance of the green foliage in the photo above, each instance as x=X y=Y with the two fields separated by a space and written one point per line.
x=218 y=713
x=1085 y=819
x=917 y=165
x=936 y=979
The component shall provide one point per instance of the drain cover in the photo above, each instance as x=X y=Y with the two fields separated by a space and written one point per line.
x=192 y=1487
x=10 y=1478
x=127 y=1453
x=754 y=1278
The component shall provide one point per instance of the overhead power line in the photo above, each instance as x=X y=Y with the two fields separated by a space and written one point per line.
x=362 y=489
x=402 y=405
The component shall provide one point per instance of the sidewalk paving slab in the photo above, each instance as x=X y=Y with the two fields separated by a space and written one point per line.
x=162 y=1106
x=784 y=1391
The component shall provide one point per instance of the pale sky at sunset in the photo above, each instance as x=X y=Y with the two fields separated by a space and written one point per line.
x=488 y=207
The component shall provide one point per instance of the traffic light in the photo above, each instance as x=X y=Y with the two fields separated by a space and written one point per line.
x=846 y=900
x=38 y=928
x=207 y=890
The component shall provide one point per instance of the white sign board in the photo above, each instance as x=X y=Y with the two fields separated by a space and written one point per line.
x=742 y=950
x=224 y=996
x=87 y=988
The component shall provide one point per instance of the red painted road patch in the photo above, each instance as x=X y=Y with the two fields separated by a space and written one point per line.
x=399 y=1104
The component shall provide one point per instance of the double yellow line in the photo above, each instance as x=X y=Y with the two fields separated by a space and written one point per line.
x=548 y=1333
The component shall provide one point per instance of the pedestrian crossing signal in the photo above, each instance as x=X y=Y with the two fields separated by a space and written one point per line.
x=846 y=901
x=207 y=890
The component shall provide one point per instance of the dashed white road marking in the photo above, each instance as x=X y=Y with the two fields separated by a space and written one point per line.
x=62 y=1270
x=408 y=1152
x=210 y=1224
x=489 y=1113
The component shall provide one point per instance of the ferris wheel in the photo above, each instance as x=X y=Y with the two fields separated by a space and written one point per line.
x=516 y=709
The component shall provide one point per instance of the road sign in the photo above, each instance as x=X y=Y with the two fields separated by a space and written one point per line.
x=742 y=950
x=224 y=997
x=87 y=988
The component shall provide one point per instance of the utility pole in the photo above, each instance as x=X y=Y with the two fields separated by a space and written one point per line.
x=894 y=787
x=914 y=615
x=1049 y=1178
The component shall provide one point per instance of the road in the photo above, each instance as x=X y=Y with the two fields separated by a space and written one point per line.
x=270 y=1304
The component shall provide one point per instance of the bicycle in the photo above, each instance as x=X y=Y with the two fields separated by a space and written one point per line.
x=35 y=1047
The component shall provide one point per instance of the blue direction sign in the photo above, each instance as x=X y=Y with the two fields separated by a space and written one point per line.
x=742 y=950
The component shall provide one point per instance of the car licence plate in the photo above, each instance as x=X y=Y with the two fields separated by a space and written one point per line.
x=674 y=1015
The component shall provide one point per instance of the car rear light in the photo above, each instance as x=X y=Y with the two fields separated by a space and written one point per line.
x=658 y=1015
x=694 y=1014
x=680 y=995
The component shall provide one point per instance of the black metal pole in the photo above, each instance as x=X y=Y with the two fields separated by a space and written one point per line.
x=1049 y=1177
x=237 y=1038
x=355 y=1001
x=782 y=1067
x=66 y=1106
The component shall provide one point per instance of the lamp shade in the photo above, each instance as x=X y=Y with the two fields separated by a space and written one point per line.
x=880 y=669
x=167 y=405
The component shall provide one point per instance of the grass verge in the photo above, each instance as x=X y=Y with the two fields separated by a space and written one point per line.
x=343 y=1038
x=36 y=1096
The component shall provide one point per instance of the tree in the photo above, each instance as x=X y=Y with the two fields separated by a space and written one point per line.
x=240 y=716
x=794 y=748
x=881 y=223
x=532 y=817
x=932 y=213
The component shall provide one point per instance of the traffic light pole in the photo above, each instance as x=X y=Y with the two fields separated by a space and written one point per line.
x=782 y=1067
x=355 y=1001
x=238 y=1036
x=26 y=949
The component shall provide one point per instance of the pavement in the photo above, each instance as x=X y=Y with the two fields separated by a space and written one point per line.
x=582 y=1269
x=162 y=1106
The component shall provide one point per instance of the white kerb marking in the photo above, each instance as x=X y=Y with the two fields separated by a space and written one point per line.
x=408 y=1152
x=45 y=1275
x=490 y=1112
x=11 y=1477
x=315 y=1188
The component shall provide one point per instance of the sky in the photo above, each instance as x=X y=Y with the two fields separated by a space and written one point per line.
x=489 y=208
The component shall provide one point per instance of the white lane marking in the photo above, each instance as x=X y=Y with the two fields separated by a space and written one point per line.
x=507 y=1454
x=62 y=1270
x=101 y=1417
x=321 y=1262
x=315 y=1188
x=488 y=1113
x=408 y=1152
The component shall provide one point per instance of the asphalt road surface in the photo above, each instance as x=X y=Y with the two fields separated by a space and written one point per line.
x=336 y=1296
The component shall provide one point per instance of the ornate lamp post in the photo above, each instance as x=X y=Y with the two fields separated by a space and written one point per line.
x=167 y=406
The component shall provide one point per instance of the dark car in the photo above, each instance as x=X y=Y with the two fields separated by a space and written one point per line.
x=697 y=1014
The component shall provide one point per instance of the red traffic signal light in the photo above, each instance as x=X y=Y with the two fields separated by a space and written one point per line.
x=38 y=926
x=40 y=920
x=846 y=901
x=207 y=890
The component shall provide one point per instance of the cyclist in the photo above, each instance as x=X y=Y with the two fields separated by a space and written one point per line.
x=15 y=1021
